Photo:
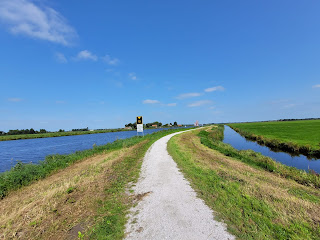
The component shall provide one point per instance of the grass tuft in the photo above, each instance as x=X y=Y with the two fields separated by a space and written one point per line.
x=246 y=190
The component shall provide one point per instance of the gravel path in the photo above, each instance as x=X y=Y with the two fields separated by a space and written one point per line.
x=169 y=208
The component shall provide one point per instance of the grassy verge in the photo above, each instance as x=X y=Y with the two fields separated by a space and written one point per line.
x=55 y=134
x=258 y=160
x=24 y=174
x=86 y=199
x=297 y=137
x=253 y=201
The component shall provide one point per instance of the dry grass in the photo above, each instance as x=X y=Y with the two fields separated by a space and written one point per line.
x=277 y=192
x=62 y=204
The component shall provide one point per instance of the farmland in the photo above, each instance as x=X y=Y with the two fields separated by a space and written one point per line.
x=256 y=197
x=292 y=136
x=55 y=134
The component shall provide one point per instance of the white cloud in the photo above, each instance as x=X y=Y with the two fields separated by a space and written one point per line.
x=14 y=99
x=291 y=105
x=149 y=101
x=116 y=83
x=188 y=95
x=316 y=86
x=212 y=89
x=61 y=58
x=132 y=76
x=279 y=101
x=199 y=103
x=171 y=104
x=111 y=61
x=26 y=18
x=86 y=55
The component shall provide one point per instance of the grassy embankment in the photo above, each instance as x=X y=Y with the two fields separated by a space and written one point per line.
x=55 y=134
x=255 y=196
x=66 y=194
x=297 y=137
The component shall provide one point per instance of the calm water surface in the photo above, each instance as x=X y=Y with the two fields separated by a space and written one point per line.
x=301 y=162
x=35 y=150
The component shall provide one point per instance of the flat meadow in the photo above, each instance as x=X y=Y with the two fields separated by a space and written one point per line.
x=296 y=136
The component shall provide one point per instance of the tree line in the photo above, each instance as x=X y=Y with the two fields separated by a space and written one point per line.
x=27 y=131
x=22 y=131
x=149 y=125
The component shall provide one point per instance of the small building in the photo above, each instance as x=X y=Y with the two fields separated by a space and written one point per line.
x=128 y=128
x=155 y=126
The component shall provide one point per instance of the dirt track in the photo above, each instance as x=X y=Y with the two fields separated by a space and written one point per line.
x=170 y=208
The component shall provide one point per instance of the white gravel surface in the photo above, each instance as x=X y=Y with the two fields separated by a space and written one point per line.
x=171 y=210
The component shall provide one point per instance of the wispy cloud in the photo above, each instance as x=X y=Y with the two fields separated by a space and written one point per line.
x=61 y=58
x=149 y=101
x=111 y=61
x=316 y=86
x=188 y=95
x=116 y=83
x=14 y=99
x=200 y=103
x=171 y=104
x=133 y=76
x=213 y=89
x=26 y=18
x=86 y=55
x=279 y=101
x=291 y=105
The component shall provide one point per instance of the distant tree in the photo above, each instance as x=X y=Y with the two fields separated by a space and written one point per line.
x=80 y=129
x=43 y=131
x=61 y=130
x=32 y=131
x=175 y=124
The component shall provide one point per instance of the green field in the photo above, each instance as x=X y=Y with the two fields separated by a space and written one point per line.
x=255 y=196
x=55 y=134
x=299 y=136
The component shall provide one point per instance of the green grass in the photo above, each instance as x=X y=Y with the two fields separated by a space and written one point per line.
x=292 y=136
x=255 y=159
x=115 y=206
x=255 y=203
x=55 y=134
x=24 y=174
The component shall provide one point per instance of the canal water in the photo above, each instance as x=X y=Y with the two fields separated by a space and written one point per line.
x=301 y=162
x=35 y=150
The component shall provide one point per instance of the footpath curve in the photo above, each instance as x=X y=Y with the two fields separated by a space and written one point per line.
x=170 y=208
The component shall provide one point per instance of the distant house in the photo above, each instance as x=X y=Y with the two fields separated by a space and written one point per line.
x=155 y=125
x=179 y=125
x=128 y=128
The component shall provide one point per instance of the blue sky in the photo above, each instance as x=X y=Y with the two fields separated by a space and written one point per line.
x=72 y=64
